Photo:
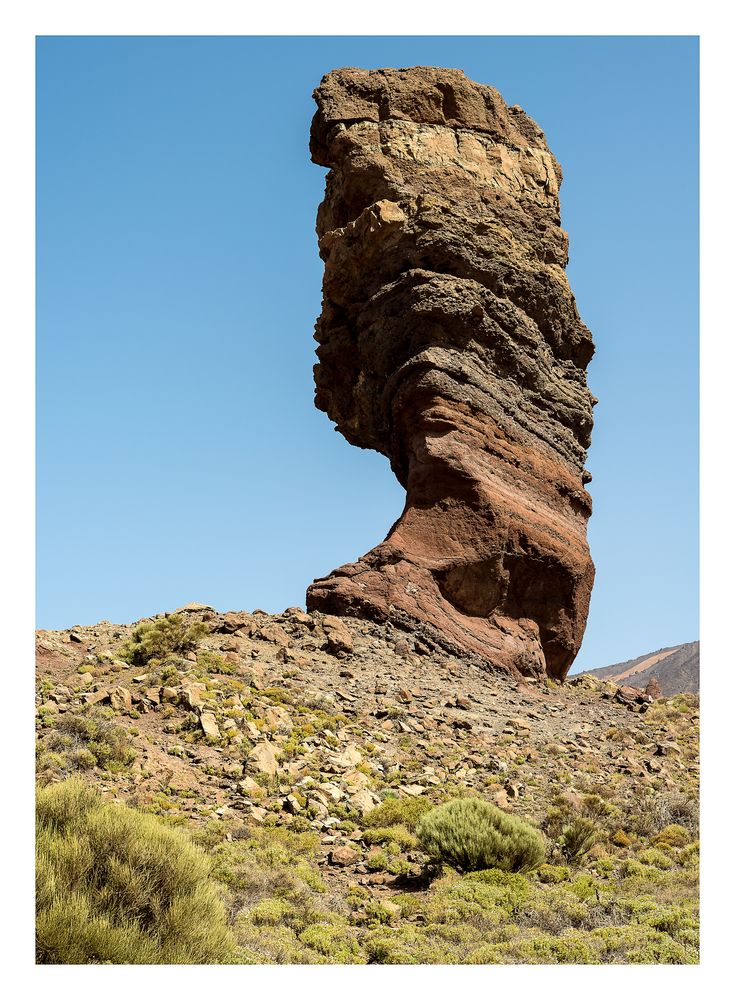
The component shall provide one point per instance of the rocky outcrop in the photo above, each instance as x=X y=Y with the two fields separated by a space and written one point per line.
x=450 y=342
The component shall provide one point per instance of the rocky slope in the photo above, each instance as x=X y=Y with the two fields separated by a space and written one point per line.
x=675 y=668
x=276 y=737
x=449 y=340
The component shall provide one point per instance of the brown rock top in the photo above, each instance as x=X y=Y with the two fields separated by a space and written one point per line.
x=449 y=341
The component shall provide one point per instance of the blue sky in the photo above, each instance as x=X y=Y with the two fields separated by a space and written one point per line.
x=180 y=456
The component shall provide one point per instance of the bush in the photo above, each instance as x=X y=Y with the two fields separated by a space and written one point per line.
x=117 y=886
x=652 y=815
x=161 y=638
x=398 y=812
x=80 y=742
x=578 y=837
x=471 y=834
x=397 y=835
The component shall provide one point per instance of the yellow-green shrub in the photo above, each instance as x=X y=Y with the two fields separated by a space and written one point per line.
x=155 y=640
x=117 y=886
x=398 y=812
x=87 y=740
x=471 y=834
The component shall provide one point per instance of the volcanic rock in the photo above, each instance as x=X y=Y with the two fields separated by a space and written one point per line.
x=449 y=341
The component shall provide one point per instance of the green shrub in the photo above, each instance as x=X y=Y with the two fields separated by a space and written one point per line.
x=398 y=812
x=397 y=835
x=89 y=740
x=673 y=835
x=161 y=638
x=470 y=834
x=117 y=886
x=551 y=874
x=578 y=837
x=337 y=944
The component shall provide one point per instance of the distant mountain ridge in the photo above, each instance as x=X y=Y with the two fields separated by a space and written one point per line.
x=676 y=668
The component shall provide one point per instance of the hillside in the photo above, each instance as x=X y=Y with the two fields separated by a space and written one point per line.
x=676 y=668
x=300 y=749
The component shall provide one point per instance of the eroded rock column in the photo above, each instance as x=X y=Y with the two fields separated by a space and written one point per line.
x=450 y=342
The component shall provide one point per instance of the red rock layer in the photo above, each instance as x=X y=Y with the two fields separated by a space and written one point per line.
x=449 y=340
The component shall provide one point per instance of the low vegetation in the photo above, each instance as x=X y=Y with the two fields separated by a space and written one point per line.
x=162 y=637
x=471 y=834
x=116 y=886
x=328 y=823
x=83 y=741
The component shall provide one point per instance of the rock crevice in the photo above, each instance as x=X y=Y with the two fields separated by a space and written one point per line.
x=449 y=341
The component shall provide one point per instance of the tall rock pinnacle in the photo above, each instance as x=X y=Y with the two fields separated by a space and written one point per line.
x=450 y=342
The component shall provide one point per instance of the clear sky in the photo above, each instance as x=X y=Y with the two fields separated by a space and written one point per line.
x=180 y=456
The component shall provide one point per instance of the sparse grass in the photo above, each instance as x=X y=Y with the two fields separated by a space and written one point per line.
x=398 y=835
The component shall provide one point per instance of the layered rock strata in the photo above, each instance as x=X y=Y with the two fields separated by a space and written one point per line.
x=449 y=341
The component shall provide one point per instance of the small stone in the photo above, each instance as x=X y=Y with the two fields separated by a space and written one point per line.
x=248 y=786
x=95 y=697
x=251 y=729
x=343 y=856
x=153 y=695
x=339 y=640
x=262 y=758
x=364 y=801
x=273 y=633
x=501 y=799
x=299 y=616
x=348 y=758
x=356 y=780
x=191 y=696
x=208 y=722
x=169 y=694
x=413 y=790
x=120 y=699
x=520 y=725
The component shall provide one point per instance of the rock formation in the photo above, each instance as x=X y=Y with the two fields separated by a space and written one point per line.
x=450 y=342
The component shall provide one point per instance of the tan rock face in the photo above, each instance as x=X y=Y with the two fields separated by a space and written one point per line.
x=450 y=342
